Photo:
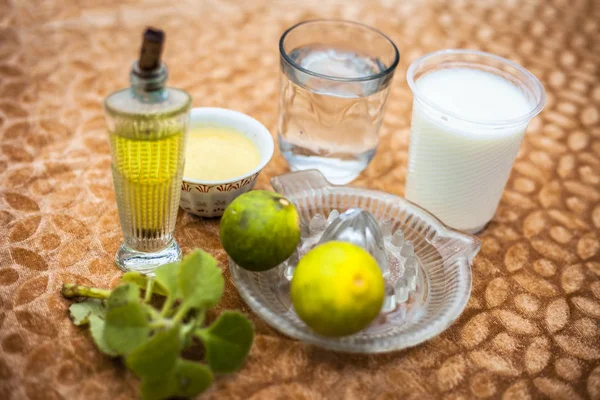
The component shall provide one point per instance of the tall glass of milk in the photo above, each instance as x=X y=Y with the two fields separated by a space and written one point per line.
x=470 y=112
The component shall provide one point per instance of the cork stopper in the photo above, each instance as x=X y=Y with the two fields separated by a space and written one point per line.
x=152 y=47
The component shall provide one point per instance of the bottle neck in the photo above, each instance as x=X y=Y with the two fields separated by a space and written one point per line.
x=149 y=86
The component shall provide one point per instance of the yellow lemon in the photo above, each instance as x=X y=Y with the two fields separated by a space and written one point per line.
x=337 y=289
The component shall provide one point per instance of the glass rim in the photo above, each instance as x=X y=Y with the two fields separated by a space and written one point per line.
x=376 y=76
x=541 y=102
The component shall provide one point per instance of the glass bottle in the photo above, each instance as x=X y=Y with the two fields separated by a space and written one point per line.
x=147 y=124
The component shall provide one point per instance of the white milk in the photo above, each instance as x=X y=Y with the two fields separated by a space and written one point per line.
x=457 y=170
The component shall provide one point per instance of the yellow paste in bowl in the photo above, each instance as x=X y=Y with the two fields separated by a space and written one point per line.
x=218 y=153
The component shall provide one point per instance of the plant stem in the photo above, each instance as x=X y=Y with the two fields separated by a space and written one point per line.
x=161 y=323
x=167 y=305
x=181 y=312
x=200 y=318
x=73 y=290
x=148 y=294
x=154 y=314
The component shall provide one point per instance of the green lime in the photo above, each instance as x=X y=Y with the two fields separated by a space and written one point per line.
x=337 y=289
x=260 y=230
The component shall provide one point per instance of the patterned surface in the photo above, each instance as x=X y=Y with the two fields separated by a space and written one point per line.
x=532 y=325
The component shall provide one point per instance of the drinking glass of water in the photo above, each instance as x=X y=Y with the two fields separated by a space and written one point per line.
x=335 y=80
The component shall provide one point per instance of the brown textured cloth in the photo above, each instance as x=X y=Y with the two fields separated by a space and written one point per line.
x=532 y=326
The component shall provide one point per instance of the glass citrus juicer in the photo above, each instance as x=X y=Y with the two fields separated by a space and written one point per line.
x=426 y=265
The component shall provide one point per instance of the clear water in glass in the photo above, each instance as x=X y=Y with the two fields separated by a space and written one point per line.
x=335 y=80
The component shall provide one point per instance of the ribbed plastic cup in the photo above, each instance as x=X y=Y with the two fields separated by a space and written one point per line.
x=458 y=166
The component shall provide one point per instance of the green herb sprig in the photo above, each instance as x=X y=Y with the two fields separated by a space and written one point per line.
x=150 y=340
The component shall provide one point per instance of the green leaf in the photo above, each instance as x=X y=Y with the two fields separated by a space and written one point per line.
x=166 y=277
x=126 y=327
x=227 y=341
x=80 y=312
x=159 y=389
x=140 y=280
x=97 y=330
x=186 y=379
x=155 y=359
x=191 y=378
x=123 y=294
x=200 y=280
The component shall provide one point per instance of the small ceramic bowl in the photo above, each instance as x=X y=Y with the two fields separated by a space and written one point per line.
x=210 y=198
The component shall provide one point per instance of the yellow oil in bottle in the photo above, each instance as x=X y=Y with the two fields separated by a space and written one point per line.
x=147 y=173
